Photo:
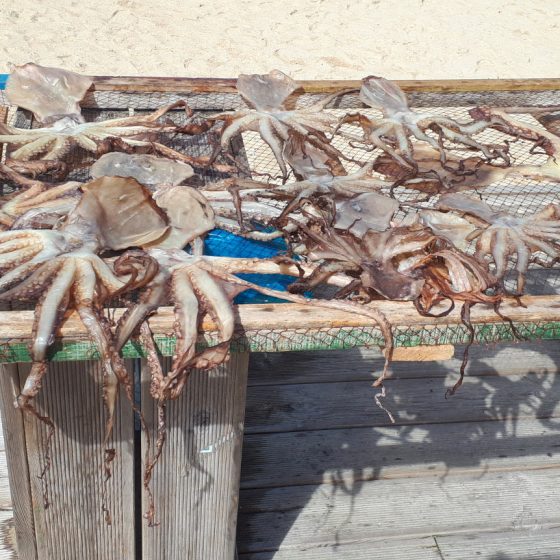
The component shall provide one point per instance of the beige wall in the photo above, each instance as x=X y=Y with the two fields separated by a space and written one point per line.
x=306 y=38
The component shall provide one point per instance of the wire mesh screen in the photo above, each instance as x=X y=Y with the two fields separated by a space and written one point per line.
x=516 y=195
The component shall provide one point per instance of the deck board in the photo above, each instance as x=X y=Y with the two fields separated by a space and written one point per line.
x=349 y=456
x=327 y=514
x=357 y=364
x=531 y=544
x=317 y=406
x=325 y=475
x=7 y=536
x=407 y=549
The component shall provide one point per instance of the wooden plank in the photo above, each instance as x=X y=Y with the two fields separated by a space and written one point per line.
x=359 y=364
x=16 y=325
x=347 y=456
x=4 y=111
x=412 y=401
x=196 y=483
x=5 y=496
x=8 y=546
x=305 y=516
x=19 y=476
x=531 y=544
x=227 y=85
x=73 y=526
x=406 y=549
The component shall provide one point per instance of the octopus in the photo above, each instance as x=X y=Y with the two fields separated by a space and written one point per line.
x=392 y=133
x=456 y=175
x=503 y=121
x=376 y=261
x=57 y=141
x=500 y=235
x=318 y=176
x=194 y=285
x=64 y=132
x=62 y=268
x=268 y=114
x=35 y=204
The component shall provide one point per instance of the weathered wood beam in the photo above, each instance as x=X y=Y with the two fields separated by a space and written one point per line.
x=227 y=85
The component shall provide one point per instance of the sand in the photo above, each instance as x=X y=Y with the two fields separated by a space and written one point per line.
x=305 y=38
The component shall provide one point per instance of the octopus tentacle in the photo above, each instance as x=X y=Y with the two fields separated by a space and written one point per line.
x=33 y=148
x=543 y=246
x=375 y=314
x=218 y=304
x=84 y=296
x=13 y=245
x=185 y=327
x=86 y=143
x=17 y=275
x=15 y=258
x=322 y=103
x=523 y=257
x=149 y=300
x=34 y=285
x=236 y=127
x=106 y=275
x=48 y=315
x=62 y=146
x=375 y=137
x=500 y=251
x=157 y=380
x=275 y=145
x=52 y=300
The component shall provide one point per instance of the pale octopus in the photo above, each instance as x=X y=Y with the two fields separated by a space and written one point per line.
x=499 y=235
x=266 y=95
x=53 y=96
x=393 y=132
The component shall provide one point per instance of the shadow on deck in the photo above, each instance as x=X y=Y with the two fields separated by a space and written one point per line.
x=325 y=474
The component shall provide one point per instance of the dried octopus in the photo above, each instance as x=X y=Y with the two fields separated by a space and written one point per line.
x=65 y=129
x=268 y=114
x=392 y=133
x=501 y=235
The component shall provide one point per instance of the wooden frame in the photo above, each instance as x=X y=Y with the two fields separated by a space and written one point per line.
x=219 y=397
x=15 y=329
x=227 y=85
x=73 y=343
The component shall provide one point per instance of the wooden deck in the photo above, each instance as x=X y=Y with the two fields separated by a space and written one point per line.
x=325 y=475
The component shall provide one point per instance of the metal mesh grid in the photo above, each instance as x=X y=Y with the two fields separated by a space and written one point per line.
x=515 y=195
x=269 y=339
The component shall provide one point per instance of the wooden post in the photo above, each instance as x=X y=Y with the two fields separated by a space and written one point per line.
x=196 y=483
x=73 y=525
x=18 y=468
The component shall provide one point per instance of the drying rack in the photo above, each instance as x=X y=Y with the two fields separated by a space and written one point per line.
x=196 y=484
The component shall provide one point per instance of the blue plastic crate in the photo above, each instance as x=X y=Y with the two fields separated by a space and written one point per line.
x=220 y=243
x=3 y=80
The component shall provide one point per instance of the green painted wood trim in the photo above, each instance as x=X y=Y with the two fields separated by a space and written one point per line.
x=304 y=340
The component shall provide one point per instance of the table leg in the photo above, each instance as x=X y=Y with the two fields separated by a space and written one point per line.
x=196 y=483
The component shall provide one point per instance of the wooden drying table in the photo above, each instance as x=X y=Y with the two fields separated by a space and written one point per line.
x=196 y=483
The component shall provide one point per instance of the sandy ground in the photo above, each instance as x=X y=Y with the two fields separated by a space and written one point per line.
x=305 y=38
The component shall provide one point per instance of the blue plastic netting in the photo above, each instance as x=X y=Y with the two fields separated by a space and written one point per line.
x=220 y=243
